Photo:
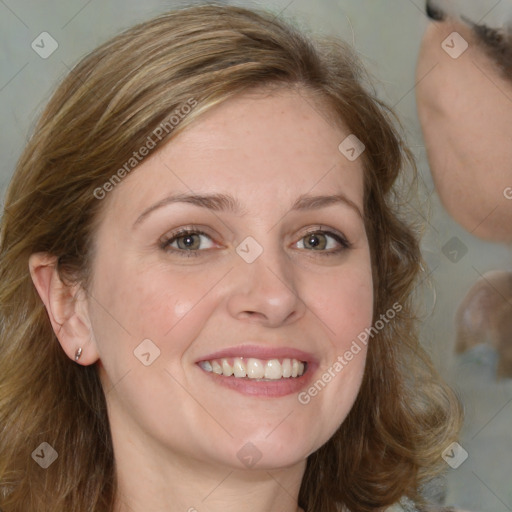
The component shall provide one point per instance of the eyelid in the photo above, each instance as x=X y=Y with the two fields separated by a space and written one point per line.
x=334 y=233
x=164 y=241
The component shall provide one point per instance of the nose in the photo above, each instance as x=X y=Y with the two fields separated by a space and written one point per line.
x=265 y=292
x=433 y=12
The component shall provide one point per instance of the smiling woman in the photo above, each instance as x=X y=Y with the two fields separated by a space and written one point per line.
x=157 y=342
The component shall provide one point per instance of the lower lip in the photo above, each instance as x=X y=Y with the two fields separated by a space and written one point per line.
x=264 y=388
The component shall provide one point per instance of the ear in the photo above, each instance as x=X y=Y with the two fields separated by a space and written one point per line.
x=67 y=308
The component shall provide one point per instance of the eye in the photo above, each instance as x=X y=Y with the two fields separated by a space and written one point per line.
x=323 y=241
x=187 y=241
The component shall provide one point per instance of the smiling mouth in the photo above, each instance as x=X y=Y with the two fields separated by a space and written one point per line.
x=255 y=369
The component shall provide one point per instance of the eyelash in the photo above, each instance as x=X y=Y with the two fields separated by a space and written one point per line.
x=179 y=234
x=344 y=243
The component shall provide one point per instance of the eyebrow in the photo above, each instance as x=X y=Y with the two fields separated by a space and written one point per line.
x=227 y=203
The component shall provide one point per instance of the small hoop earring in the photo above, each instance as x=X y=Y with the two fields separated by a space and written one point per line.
x=78 y=353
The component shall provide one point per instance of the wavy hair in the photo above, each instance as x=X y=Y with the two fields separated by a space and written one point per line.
x=404 y=415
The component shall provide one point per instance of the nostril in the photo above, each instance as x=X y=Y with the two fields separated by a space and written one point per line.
x=434 y=13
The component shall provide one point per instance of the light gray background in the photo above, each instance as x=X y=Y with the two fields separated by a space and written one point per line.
x=386 y=34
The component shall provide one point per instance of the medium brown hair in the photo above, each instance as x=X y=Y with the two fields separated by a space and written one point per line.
x=403 y=417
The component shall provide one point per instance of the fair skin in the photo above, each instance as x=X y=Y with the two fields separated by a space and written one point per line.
x=465 y=109
x=176 y=429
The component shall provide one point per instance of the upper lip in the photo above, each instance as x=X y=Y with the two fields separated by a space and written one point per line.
x=261 y=352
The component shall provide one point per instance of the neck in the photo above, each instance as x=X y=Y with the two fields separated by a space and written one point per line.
x=219 y=489
x=151 y=480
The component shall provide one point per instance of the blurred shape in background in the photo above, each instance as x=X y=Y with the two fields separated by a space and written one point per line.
x=485 y=317
x=464 y=98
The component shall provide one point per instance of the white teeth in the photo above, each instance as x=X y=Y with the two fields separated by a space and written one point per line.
x=239 y=368
x=295 y=368
x=273 y=370
x=252 y=368
x=227 y=369
x=206 y=365
x=216 y=367
x=287 y=368
x=255 y=369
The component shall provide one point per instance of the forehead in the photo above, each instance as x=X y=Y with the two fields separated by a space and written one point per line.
x=266 y=148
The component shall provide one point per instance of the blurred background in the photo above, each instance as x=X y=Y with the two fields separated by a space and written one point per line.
x=386 y=35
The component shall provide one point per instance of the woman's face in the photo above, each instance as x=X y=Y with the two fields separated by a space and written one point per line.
x=274 y=267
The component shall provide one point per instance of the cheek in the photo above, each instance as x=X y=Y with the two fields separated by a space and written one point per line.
x=150 y=302
x=133 y=303
x=343 y=301
x=344 y=305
